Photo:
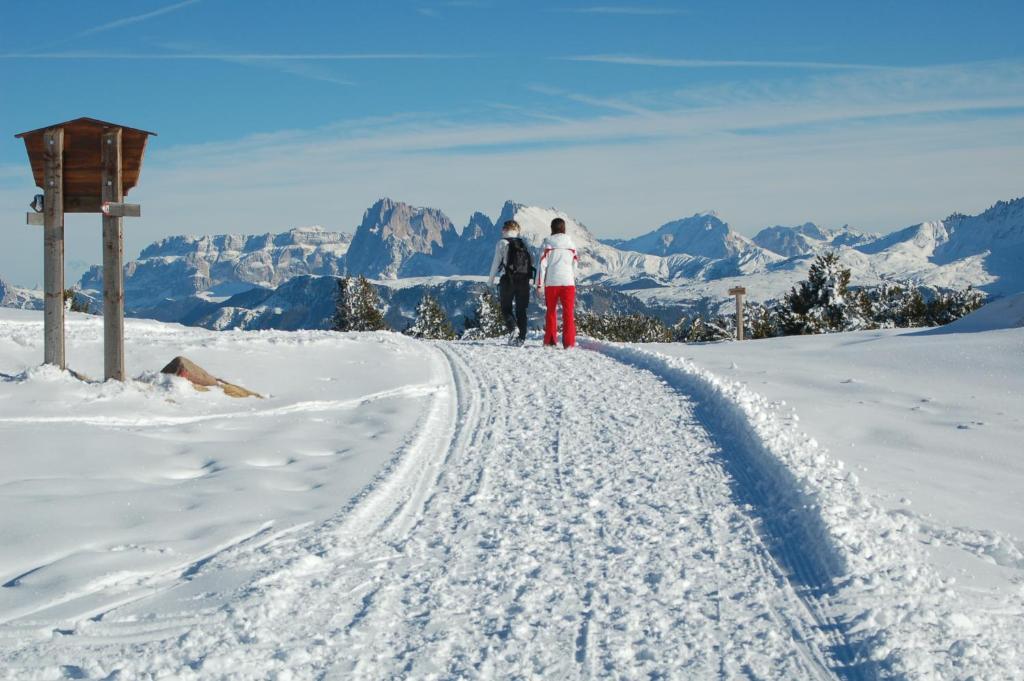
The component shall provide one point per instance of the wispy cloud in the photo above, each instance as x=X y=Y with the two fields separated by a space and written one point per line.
x=878 y=149
x=624 y=9
x=135 y=18
x=238 y=57
x=599 y=102
x=632 y=60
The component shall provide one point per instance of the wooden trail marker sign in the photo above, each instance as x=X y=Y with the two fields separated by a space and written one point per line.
x=739 y=292
x=85 y=166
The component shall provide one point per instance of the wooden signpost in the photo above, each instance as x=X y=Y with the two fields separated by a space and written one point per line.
x=85 y=166
x=739 y=292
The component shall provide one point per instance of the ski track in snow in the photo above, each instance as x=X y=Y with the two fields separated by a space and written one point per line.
x=556 y=514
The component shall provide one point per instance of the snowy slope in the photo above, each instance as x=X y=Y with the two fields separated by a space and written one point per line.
x=809 y=238
x=630 y=515
x=113 y=492
x=931 y=424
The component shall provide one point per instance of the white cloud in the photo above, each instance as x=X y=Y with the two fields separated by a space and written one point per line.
x=134 y=19
x=634 y=10
x=237 y=57
x=879 y=150
x=632 y=60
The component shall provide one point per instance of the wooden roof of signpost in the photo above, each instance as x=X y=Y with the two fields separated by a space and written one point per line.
x=82 y=163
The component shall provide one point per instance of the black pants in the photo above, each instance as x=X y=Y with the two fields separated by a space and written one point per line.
x=514 y=289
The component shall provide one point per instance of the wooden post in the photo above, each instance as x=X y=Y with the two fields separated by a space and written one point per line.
x=739 y=292
x=53 y=247
x=113 y=254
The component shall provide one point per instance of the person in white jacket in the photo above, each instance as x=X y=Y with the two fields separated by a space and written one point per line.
x=512 y=259
x=557 y=278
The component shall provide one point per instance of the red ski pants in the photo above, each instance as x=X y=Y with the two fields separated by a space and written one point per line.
x=566 y=295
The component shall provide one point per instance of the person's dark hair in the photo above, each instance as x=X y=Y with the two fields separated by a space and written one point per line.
x=510 y=225
x=558 y=226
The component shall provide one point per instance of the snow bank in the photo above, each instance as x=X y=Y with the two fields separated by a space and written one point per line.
x=865 y=562
x=113 y=491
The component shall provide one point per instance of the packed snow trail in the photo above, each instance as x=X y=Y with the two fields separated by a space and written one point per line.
x=558 y=515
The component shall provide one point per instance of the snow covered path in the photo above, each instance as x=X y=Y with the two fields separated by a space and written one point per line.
x=557 y=514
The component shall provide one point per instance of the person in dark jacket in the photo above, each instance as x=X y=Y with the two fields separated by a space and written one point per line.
x=513 y=261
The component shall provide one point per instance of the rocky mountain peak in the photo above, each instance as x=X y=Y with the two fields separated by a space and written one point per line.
x=392 y=234
x=701 y=235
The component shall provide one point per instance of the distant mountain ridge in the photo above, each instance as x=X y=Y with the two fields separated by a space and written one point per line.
x=688 y=262
x=13 y=296
x=225 y=264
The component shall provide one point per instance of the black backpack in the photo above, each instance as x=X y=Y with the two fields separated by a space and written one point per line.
x=518 y=261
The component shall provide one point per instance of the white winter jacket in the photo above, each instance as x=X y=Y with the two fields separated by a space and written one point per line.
x=558 y=261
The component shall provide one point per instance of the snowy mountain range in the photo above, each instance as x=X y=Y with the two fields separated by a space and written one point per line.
x=684 y=265
x=26 y=299
x=218 y=266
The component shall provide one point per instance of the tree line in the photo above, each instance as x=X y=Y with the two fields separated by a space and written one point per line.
x=823 y=303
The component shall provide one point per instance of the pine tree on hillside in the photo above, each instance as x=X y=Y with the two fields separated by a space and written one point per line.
x=486 y=321
x=861 y=301
x=703 y=330
x=914 y=311
x=946 y=307
x=639 y=328
x=819 y=304
x=357 y=307
x=760 y=321
x=431 y=321
x=344 y=306
x=634 y=328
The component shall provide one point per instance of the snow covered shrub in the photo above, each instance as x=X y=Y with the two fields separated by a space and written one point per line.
x=75 y=301
x=486 y=321
x=357 y=307
x=899 y=305
x=431 y=321
x=946 y=307
x=702 y=329
x=634 y=328
x=760 y=321
x=821 y=303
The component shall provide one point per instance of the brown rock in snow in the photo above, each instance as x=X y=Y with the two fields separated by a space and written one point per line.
x=203 y=379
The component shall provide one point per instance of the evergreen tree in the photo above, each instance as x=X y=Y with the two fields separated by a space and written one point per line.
x=639 y=328
x=431 y=321
x=819 y=304
x=914 y=311
x=865 y=309
x=680 y=329
x=946 y=307
x=75 y=301
x=357 y=307
x=760 y=321
x=486 y=321
x=703 y=330
x=635 y=328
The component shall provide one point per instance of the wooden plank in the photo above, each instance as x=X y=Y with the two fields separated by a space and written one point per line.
x=739 y=317
x=53 y=248
x=82 y=156
x=82 y=204
x=122 y=210
x=113 y=255
x=35 y=219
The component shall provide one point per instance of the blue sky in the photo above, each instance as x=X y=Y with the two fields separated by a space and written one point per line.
x=626 y=115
